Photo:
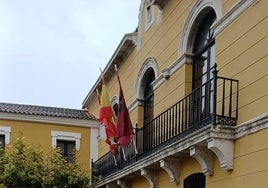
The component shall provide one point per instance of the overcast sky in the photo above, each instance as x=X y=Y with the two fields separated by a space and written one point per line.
x=51 y=50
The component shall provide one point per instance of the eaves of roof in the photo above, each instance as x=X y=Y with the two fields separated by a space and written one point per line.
x=125 y=47
x=45 y=114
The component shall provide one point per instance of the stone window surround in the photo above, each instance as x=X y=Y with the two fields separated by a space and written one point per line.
x=60 y=135
x=4 y=130
x=149 y=63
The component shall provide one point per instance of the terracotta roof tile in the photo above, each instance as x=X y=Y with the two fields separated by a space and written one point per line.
x=45 y=111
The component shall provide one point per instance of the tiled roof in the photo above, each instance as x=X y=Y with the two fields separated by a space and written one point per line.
x=45 y=111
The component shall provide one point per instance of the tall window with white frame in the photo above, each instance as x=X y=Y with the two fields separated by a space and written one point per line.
x=204 y=61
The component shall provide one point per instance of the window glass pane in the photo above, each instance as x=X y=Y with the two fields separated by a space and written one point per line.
x=197 y=180
x=67 y=149
x=149 y=98
x=2 y=141
x=204 y=50
x=115 y=108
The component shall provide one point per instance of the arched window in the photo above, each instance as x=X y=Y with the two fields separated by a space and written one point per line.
x=114 y=104
x=204 y=61
x=144 y=90
x=115 y=108
x=204 y=51
x=197 y=180
x=149 y=97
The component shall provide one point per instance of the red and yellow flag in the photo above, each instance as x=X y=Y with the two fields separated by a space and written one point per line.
x=107 y=120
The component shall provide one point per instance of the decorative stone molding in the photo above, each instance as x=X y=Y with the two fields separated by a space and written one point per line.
x=224 y=150
x=149 y=63
x=166 y=73
x=219 y=139
x=191 y=24
x=59 y=135
x=252 y=126
x=160 y=3
x=123 y=183
x=149 y=15
x=151 y=176
x=172 y=167
x=159 y=17
x=114 y=100
x=205 y=158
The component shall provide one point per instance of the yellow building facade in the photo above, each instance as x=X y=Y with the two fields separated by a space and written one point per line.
x=49 y=127
x=194 y=75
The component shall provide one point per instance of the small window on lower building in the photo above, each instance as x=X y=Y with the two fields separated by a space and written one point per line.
x=67 y=149
x=197 y=180
x=2 y=141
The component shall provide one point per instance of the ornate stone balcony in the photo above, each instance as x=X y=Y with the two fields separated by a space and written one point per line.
x=201 y=125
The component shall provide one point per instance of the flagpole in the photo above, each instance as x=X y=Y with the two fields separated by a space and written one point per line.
x=124 y=155
x=115 y=160
x=98 y=95
x=101 y=71
x=134 y=143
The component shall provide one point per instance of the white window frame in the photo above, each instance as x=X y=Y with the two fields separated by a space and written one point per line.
x=69 y=136
x=5 y=131
x=139 y=87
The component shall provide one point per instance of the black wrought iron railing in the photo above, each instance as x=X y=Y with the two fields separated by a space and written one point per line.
x=215 y=102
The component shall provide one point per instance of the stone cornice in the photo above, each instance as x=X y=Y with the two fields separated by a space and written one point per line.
x=51 y=120
x=252 y=126
x=127 y=44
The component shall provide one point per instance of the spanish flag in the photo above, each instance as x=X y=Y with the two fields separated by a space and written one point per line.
x=107 y=120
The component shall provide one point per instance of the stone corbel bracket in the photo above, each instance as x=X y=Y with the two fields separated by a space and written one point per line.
x=205 y=158
x=123 y=183
x=112 y=185
x=172 y=167
x=224 y=150
x=151 y=176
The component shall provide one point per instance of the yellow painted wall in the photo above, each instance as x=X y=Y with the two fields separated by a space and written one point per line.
x=140 y=183
x=227 y=4
x=241 y=53
x=250 y=164
x=39 y=134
